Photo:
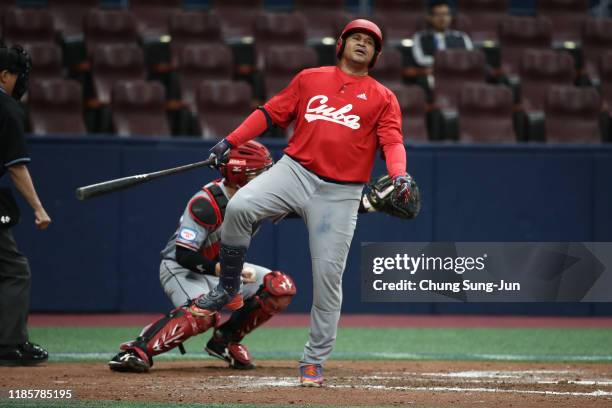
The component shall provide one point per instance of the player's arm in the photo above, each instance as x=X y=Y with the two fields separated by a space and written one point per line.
x=391 y=140
x=194 y=261
x=198 y=220
x=14 y=157
x=23 y=182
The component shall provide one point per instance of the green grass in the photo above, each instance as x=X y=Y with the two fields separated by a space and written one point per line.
x=572 y=345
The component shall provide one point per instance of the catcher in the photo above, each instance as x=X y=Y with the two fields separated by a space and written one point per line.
x=190 y=269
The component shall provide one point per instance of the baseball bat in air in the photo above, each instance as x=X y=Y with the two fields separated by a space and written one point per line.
x=105 y=187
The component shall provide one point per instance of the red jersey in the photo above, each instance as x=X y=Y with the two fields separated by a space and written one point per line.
x=340 y=120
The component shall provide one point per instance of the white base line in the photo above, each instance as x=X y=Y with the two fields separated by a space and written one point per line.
x=597 y=393
x=286 y=382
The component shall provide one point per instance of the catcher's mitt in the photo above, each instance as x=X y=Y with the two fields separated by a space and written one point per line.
x=381 y=195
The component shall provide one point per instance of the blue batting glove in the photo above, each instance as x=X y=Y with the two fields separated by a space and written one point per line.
x=220 y=153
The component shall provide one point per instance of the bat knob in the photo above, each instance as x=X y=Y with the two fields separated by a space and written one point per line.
x=79 y=194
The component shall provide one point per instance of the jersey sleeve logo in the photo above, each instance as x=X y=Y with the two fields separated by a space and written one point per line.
x=318 y=110
x=187 y=234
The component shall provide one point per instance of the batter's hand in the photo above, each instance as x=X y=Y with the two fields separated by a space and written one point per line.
x=402 y=187
x=220 y=152
x=41 y=219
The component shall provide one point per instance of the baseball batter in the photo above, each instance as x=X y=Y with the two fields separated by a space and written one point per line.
x=190 y=268
x=341 y=116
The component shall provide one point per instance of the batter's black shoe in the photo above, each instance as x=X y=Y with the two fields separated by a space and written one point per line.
x=236 y=354
x=129 y=361
x=26 y=354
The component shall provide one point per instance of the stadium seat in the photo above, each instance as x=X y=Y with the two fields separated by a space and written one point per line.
x=323 y=17
x=388 y=69
x=412 y=103
x=283 y=62
x=153 y=15
x=68 y=15
x=27 y=26
x=112 y=63
x=453 y=68
x=605 y=71
x=566 y=16
x=237 y=16
x=485 y=113
x=572 y=114
x=399 y=19
x=596 y=39
x=518 y=33
x=109 y=27
x=272 y=29
x=462 y=22
x=193 y=28
x=222 y=106
x=138 y=109
x=484 y=16
x=4 y=4
x=55 y=107
x=540 y=69
x=47 y=61
x=198 y=62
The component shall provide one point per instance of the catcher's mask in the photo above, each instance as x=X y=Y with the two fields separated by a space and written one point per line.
x=246 y=162
x=365 y=26
x=17 y=61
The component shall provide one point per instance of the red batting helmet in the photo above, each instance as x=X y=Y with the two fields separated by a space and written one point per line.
x=246 y=162
x=365 y=26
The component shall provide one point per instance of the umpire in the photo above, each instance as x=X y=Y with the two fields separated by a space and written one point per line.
x=15 y=349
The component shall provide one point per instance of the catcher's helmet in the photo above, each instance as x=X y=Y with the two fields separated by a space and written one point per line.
x=364 y=26
x=246 y=162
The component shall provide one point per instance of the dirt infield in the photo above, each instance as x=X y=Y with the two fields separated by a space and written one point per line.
x=373 y=383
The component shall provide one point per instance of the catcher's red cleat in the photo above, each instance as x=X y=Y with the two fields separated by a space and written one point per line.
x=311 y=375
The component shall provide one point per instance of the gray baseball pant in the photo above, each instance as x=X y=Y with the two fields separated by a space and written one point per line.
x=182 y=285
x=330 y=213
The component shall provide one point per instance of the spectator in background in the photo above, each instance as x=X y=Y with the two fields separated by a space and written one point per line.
x=438 y=36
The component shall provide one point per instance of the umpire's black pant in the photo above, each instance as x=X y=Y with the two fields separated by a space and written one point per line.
x=14 y=291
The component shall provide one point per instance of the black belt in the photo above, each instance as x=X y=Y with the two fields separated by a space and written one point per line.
x=327 y=179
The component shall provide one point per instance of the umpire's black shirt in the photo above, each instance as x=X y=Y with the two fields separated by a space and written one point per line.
x=12 y=141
